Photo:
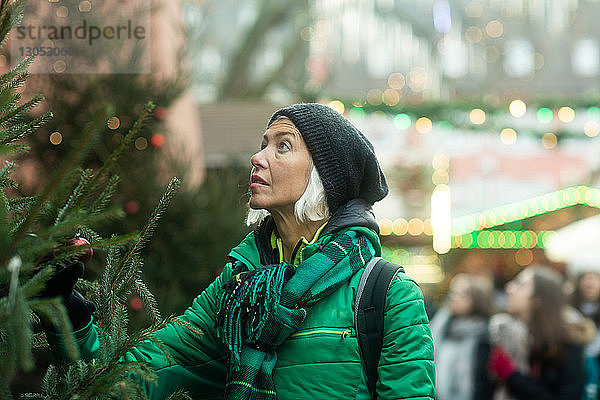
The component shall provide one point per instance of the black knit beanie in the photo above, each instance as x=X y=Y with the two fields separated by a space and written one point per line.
x=343 y=156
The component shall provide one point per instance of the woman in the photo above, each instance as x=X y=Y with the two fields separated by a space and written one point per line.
x=278 y=322
x=586 y=299
x=460 y=334
x=555 y=336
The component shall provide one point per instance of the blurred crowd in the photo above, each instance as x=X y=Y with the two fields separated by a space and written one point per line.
x=536 y=339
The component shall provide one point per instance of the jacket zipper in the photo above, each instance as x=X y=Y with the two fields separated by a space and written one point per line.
x=342 y=333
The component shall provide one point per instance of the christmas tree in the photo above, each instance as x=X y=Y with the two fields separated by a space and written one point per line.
x=72 y=202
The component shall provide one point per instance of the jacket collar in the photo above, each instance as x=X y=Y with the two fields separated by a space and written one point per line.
x=256 y=250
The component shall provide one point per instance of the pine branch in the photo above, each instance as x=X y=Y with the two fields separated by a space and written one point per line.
x=102 y=200
x=11 y=13
x=14 y=148
x=19 y=112
x=19 y=204
x=146 y=233
x=9 y=168
x=148 y=300
x=18 y=70
x=137 y=126
x=133 y=271
x=85 y=178
x=83 y=218
x=89 y=133
x=37 y=282
x=180 y=395
x=39 y=341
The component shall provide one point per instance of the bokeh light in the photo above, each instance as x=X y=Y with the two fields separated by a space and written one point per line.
x=566 y=114
x=337 y=106
x=549 y=140
x=113 y=123
x=396 y=81
x=517 y=108
x=423 y=125
x=544 y=115
x=402 y=121
x=477 y=116
x=56 y=138
x=391 y=97
x=494 y=29
x=508 y=136
x=591 y=128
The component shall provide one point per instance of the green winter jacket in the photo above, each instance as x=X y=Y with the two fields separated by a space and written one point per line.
x=319 y=361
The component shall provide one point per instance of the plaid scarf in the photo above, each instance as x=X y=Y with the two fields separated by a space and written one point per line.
x=259 y=309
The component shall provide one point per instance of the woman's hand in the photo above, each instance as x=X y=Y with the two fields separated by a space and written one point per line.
x=501 y=363
x=62 y=284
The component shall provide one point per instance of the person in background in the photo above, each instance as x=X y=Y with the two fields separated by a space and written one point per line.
x=586 y=299
x=552 y=366
x=460 y=334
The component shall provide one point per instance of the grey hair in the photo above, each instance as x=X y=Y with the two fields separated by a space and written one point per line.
x=311 y=206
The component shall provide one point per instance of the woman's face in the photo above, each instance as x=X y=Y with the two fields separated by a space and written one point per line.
x=280 y=170
x=459 y=301
x=519 y=294
x=589 y=286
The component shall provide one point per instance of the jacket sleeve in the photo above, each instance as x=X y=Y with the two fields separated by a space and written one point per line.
x=198 y=357
x=406 y=369
x=568 y=381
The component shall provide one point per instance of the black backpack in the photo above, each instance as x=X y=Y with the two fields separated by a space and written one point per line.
x=368 y=314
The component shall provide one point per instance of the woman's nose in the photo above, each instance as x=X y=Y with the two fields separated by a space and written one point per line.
x=258 y=159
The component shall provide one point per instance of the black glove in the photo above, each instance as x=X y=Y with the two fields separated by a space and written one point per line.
x=62 y=284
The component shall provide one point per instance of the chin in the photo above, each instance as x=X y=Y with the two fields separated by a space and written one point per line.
x=256 y=204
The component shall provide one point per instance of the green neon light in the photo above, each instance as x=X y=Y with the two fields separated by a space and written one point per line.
x=526 y=209
x=356 y=113
x=402 y=121
x=545 y=115
x=496 y=239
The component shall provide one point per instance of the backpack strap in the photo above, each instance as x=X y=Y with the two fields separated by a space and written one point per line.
x=369 y=308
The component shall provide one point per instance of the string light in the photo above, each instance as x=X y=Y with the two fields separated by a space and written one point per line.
x=113 y=123
x=85 y=6
x=400 y=227
x=391 y=97
x=477 y=116
x=356 y=113
x=591 y=128
x=523 y=257
x=423 y=125
x=494 y=29
x=508 y=136
x=396 y=81
x=544 y=115
x=337 y=106
x=402 y=121
x=526 y=209
x=415 y=226
x=385 y=227
x=517 y=108
x=56 y=138
x=502 y=239
x=566 y=114
x=549 y=140
x=141 y=143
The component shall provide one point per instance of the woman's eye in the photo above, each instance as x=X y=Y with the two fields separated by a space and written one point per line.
x=284 y=146
x=262 y=146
